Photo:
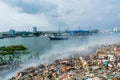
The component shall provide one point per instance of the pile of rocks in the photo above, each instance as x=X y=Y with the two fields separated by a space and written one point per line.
x=103 y=65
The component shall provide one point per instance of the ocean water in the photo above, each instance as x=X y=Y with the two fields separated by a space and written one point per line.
x=45 y=50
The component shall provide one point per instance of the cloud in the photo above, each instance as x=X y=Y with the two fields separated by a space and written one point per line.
x=67 y=13
x=11 y=18
x=32 y=6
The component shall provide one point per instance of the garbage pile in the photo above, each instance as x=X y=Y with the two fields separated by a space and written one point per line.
x=104 y=64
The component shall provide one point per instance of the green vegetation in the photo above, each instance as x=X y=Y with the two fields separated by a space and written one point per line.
x=12 y=52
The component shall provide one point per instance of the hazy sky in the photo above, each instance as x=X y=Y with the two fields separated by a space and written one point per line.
x=49 y=14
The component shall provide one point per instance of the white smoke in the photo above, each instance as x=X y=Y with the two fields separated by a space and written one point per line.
x=72 y=47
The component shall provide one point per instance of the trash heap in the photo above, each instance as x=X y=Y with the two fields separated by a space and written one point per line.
x=104 y=64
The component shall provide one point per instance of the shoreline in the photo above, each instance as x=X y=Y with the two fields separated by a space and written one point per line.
x=103 y=64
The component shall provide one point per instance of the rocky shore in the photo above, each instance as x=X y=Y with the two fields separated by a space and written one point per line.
x=103 y=64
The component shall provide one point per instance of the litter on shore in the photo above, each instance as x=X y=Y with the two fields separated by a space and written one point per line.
x=103 y=64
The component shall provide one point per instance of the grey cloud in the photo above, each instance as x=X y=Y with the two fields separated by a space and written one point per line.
x=33 y=7
x=72 y=12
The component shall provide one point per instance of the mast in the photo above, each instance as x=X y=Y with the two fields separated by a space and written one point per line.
x=79 y=27
x=89 y=28
x=59 y=29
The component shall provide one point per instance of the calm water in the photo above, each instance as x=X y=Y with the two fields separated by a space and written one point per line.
x=44 y=46
x=50 y=50
x=41 y=44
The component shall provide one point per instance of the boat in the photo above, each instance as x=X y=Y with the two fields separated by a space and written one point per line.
x=58 y=37
x=26 y=35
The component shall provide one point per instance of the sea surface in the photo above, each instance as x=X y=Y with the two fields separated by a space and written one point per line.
x=44 y=50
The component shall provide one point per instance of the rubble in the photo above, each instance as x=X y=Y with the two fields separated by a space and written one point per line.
x=104 y=64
